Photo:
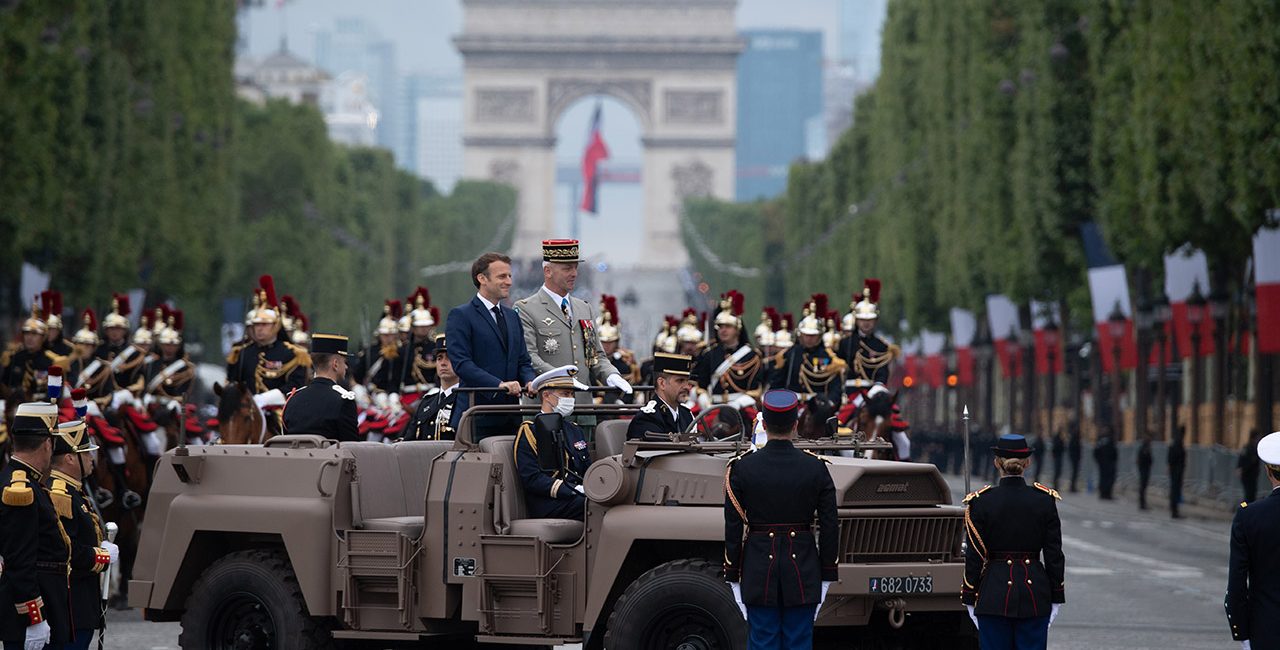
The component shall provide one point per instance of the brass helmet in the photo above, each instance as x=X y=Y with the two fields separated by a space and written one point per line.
x=831 y=337
x=35 y=322
x=302 y=333
x=51 y=302
x=142 y=336
x=171 y=333
x=730 y=310
x=690 y=330
x=119 y=315
x=782 y=338
x=666 y=339
x=869 y=307
x=811 y=321
x=159 y=319
x=421 y=316
x=265 y=310
x=391 y=312
x=764 y=331
x=88 y=333
x=289 y=312
x=607 y=324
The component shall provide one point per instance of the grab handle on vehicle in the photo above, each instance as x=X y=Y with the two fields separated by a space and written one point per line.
x=320 y=477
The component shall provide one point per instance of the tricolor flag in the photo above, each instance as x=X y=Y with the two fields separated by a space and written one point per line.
x=963 y=328
x=1109 y=291
x=596 y=151
x=1002 y=318
x=1266 y=275
x=1185 y=270
x=931 y=344
x=1042 y=315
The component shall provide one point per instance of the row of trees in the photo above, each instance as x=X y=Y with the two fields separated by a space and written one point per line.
x=127 y=161
x=997 y=129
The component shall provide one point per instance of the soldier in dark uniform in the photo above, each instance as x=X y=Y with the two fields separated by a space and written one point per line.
x=418 y=371
x=26 y=370
x=609 y=331
x=810 y=368
x=91 y=551
x=52 y=302
x=269 y=363
x=551 y=451
x=730 y=370
x=666 y=413
x=115 y=329
x=324 y=407
x=1253 y=577
x=431 y=421
x=168 y=375
x=33 y=587
x=380 y=365
x=1014 y=568
x=771 y=497
x=867 y=354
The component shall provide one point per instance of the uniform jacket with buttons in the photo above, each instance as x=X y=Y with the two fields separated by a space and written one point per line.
x=549 y=470
x=554 y=340
x=35 y=558
x=771 y=498
x=322 y=408
x=84 y=529
x=1253 y=577
x=1014 y=566
x=655 y=422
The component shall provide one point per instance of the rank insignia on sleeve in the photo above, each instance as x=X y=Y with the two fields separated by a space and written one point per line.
x=973 y=495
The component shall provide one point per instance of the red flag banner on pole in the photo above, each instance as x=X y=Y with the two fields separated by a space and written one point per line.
x=934 y=365
x=596 y=152
x=1266 y=274
x=1185 y=270
x=963 y=328
x=1109 y=290
x=1047 y=340
x=1002 y=318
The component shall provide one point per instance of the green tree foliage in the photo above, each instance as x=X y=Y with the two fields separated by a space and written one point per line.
x=997 y=128
x=126 y=161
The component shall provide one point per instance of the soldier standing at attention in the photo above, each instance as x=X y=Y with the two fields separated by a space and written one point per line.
x=559 y=329
x=1253 y=576
x=31 y=539
x=778 y=577
x=324 y=407
x=1014 y=570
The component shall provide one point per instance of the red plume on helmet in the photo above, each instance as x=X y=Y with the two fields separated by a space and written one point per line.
x=304 y=323
x=871 y=289
x=290 y=305
x=788 y=320
x=176 y=319
x=833 y=316
x=90 y=319
x=412 y=302
x=819 y=301
x=611 y=306
x=268 y=286
x=397 y=309
x=51 y=303
x=775 y=319
x=122 y=304
x=435 y=314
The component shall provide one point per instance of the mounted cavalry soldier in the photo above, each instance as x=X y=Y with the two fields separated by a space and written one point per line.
x=609 y=329
x=379 y=365
x=168 y=375
x=867 y=354
x=26 y=370
x=730 y=370
x=1014 y=571
x=810 y=369
x=418 y=371
x=115 y=329
x=559 y=329
x=269 y=368
x=51 y=301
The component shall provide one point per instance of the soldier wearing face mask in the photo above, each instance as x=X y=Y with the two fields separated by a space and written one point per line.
x=551 y=452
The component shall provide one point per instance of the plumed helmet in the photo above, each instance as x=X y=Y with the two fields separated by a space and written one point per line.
x=869 y=307
x=607 y=324
x=119 y=314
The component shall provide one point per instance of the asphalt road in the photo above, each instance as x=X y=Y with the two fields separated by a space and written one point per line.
x=1135 y=581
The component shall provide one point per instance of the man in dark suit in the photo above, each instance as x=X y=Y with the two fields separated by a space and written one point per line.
x=487 y=347
x=324 y=407
x=1253 y=576
x=667 y=414
x=772 y=496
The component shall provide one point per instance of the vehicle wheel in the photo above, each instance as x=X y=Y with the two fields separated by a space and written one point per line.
x=250 y=600
x=684 y=605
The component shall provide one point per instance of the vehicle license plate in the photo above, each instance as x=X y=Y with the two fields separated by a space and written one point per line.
x=901 y=585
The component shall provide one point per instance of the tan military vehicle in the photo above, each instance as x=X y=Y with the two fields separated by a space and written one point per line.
x=307 y=543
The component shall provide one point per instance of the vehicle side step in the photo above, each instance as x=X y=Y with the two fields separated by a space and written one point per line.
x=377 y=573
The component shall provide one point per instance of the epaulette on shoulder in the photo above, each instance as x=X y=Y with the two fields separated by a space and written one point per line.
x=1244 y=504
x=821 y=458
x=1049 y=491
x=17 y=493
x=779 y=358
x=233 y=356
x=973 y=495
x=57 y=359
x=300 y=353
x=651 y=407
x=61 y=498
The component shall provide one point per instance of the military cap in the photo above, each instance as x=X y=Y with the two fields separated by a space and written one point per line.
x=1269 y=449
x=440 y=345
x=72 y=438
x=1011 y=446
x=672 y=364
x=329 y=344
x=34 y=419
x=560 y=250
x=562 y=377
x=781 y=407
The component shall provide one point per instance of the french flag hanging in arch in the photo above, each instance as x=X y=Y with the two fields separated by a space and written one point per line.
x=596 y=152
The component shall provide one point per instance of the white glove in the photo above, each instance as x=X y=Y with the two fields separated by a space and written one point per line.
x=974 y=617
x=758 y=435
x=269 y=399
x=1053 y=612
x=120 y=398
x=580 y=490
x=737 y=598
x=618 y=382
x=826 y=584
x=112 y=550
x=743 y=401
x=37 y=636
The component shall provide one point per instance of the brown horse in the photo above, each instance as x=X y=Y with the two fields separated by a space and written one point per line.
x=122 y=488
x=873 y=418
x=813 y=421
x=240 y=421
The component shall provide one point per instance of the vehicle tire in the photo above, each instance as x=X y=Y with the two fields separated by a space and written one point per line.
x=251 y=600
x=683 y=604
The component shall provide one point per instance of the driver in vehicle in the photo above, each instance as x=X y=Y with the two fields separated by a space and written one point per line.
x=551 y=452
x=667 y=414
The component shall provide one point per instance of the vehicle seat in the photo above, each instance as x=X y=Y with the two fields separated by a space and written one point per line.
x=611 y=435
x=511 y=517
x=393 y=483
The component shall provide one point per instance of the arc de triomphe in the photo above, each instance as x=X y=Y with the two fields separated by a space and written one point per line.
x=673 y=62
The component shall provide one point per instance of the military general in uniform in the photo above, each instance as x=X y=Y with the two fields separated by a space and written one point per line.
x=777 y=566
x=559 y=329
x=324 y=407
x=1014 y=569
x=1253 y=576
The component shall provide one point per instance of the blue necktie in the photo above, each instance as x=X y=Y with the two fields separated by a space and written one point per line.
x=564 y=306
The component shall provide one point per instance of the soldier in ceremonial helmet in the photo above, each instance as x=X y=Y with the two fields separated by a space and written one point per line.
x=115 y=329
x=867 y=353
x=1014 y=574
x=810 y=368
x=783 y=336
x=26 y=370
x=777 y=566
x=551 y=451
x=609 y=329
x=379 y=365
x=324 y=407
x=169 y=374
x=36 y=559
x=418 y=372
x=269 y=367
x=51 y=301
x=688 y=333
x=1253 y=576
x=730 y=369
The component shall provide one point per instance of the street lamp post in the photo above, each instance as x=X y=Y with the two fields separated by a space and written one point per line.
x=1116 y=327
x=1014 y=354
x=1051 y=339
x=1160 y=314
x=1142 y=374
x=1195 y=316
